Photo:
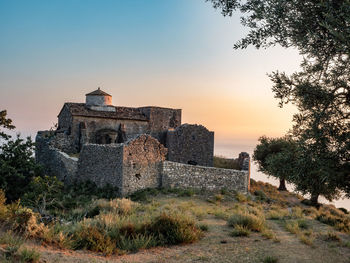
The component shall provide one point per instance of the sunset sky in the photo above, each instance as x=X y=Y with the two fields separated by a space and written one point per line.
x=171 y=53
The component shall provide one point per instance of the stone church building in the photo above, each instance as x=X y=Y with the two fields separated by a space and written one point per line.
x=131 y=148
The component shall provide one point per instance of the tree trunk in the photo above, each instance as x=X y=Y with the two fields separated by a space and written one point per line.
x=314 y=199
x=282 y=186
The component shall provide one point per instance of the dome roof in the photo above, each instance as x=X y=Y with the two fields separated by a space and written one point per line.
x=98 y=92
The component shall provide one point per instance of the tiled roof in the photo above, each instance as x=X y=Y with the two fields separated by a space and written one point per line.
x=126 y=113
x=98 y=92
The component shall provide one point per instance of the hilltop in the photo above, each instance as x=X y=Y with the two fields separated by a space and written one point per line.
x=263 y=226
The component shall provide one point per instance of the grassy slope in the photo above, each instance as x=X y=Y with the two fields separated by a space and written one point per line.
x=291 y=232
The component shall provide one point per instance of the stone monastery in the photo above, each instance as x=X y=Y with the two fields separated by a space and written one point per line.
x=132 y=148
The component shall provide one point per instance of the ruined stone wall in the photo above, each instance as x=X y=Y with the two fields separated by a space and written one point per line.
x=160 y=120
x=101 y=164
x=93 y=125
x=55 y=162
x=64 y=120
x=142 y=163
x=191 y=144
x=178 y=175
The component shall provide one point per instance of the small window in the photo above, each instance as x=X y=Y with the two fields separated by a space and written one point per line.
x=138 y=176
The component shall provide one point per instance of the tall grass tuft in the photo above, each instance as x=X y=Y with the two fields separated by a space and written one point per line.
x=251 y=222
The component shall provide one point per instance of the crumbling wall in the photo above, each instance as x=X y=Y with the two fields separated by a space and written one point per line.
x=101 y=164
x=191 y=144
x=54 y=161
x=178 y=175
x=142 y=163
x=160 y=120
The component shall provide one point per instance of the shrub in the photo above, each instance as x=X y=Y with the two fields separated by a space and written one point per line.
x=307 y=239
x=136 y=242
x=173 y=229
x=92 y=238
x=240 y=197
x=251 y=222
x=269 y=235
x=261 y=196
x=270 y=259
x=29 y=255
x=331 y=236
x=339 y=221
x=219 y=197
x=240 y=231
x=204 y=227
x=278 y=214
x=297 y=212
x=292 y=226
x=119 y=206
x=187 y=192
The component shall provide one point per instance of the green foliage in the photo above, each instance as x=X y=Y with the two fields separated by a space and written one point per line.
x=276 y=157
x=240 y=231
x=222 y=162
x=318 y=29
x=174 y=229
x=92 y=238
x=270 y=259
x=315 y=28
x=42 y=192
x=29 y=255
x=17 y=167
x=5 y=123
x=204 y=227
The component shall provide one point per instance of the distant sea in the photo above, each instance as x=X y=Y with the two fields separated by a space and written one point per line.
x=232 y=151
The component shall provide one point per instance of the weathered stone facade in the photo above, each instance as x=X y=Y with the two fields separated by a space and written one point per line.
x=142 y=164
x=127 y=147
x=101 y=164
x=179 y=175
x=191 y=144
x=54 y=161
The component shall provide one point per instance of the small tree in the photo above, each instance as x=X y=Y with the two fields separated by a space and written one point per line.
x=5 y=123
x=17 y=164
x=43 y=192
x=276 y=157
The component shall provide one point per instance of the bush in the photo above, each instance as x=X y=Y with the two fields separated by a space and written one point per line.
x=174 y=229
x=331 y=236
x=204 y=227
x=240 y=197
x=240 y=231
x=270 y=259
x=251 y=222
x=136 y=242
x=278 y=214
x=29 y=255
x=92 y=238
x=337 y=219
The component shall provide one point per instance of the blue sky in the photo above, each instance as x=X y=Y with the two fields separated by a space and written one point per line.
x=171 y=53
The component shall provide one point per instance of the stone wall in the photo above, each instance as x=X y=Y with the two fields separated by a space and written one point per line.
x=191 y=144
x=132 y=128
x=178 y=175
x=142 y=158
x=65 y=120
x=55 y=162
x=160 y=120
x=101 y=164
